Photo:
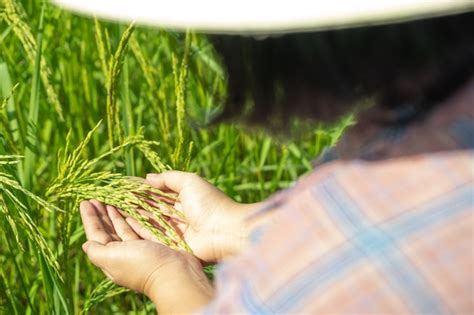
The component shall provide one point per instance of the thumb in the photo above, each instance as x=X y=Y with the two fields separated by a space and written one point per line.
x=96 y=252
x=171 y=180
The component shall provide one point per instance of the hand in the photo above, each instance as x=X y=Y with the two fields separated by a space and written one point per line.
x=214 y=226
x=172 y=279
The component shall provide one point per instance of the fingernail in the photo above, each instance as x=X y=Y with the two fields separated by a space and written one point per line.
x=151 y=175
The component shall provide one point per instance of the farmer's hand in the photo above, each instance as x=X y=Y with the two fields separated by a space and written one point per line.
x=174 y=280
x=215 y=225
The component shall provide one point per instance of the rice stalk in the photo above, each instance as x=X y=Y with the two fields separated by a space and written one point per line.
x=11 y=222
x=180 y=77
x=78 y=180
x=16 y=18
x=18 y=214
x=8 y=180
x=72 y=167
x=22 y=218
x=146 y=69
x=18 y=267
x=10 y=159
x=9 y=124
x=145 y=146
x=104 y=53
x=104 y=290
x=187 y=160
x=114 y=69
x=129 y=195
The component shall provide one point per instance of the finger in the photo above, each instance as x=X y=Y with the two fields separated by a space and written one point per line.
x=170 y=197
x=166 y=209
x=172 y=180
x=150 y=217
x=103 y=216
x=93 y=226
x=141 y=230
x=179 y=226
x=164 y=195
x=124 y=231
x=123 y=213
x=146 y=215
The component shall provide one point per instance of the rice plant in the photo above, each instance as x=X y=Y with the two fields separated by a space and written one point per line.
x=84 y=105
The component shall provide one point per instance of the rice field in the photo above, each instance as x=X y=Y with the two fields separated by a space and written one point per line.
x=83 y=105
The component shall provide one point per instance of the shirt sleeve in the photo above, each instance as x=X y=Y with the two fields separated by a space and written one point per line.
x=361 y=238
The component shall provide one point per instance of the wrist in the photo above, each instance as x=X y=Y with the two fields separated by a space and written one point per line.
x=179 y=290
x=240 y=227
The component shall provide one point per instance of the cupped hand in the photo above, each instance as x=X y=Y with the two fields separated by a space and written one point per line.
x=215 y=226
x=142 y=265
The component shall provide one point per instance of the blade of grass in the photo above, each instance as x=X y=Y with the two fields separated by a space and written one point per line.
x=127 y=119
x=31 y=134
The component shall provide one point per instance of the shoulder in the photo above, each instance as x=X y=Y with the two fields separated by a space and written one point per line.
x=403 y=178
x=371 y=228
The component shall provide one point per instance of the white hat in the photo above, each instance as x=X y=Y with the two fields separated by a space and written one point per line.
x=265 y=16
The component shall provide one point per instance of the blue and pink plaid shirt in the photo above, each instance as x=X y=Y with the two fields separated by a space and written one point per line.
x=390 y=231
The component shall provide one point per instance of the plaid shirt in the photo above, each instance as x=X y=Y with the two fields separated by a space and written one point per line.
x=367 y=237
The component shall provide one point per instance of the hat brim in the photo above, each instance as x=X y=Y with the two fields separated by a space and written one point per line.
x=265 y=16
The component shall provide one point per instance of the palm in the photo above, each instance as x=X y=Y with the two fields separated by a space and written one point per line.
x=121 y=248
